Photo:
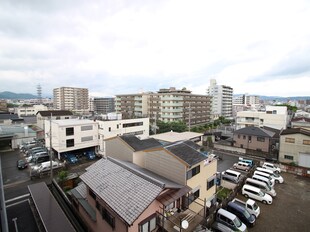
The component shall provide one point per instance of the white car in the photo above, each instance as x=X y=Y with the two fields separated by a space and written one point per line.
x=271 y=167
x=275 y=176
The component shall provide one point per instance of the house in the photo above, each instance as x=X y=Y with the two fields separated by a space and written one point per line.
x=121 y=196
x=52 y=115
x=7 y=118
x=181 y=162
x=295 y=146
x=71 y=135
x=256 y=138
x=300 y=122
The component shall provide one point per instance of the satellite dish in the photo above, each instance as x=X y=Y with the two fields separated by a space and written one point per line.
x=184 y=224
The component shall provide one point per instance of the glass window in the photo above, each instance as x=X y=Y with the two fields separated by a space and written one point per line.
x=193 y=172
x=85 y=128
x=149 y=225
x=70 y=143
x=289 y=157
x=210 y=183
x=290 y=140
x=306 y=142
x=261 y=139
x=87 y=138
x=69 y=131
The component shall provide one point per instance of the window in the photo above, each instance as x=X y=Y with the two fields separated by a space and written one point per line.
x=289 y=157
x=238 y=136
x=132 y=124
x=66 y=117
x=108 y=217
x=193 y=172
x=250 y=138
x=109 y=129
x=117 y=126
x=92 y=194
x=192 y=197
x=290 y=140
x=69 y=131
x=261 y=139
x=306 y=142
x=210 y=182
x=70 y=142
x=85 y=128
x=244 y=137
x=87 y=138
x=57 y=118
x=148 y=225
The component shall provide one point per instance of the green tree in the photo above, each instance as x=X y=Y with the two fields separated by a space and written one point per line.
x=177 y=126
x=62 y=176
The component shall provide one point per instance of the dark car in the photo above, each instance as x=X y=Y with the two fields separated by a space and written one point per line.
x=21 y=164
x=72 y=159
x=242 y=213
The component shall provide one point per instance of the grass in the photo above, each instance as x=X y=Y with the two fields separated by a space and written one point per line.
x=222 y=193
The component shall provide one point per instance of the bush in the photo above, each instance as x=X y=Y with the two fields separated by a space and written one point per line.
x=223 y=193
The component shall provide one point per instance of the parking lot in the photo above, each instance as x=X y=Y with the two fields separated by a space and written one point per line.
x=290 y=208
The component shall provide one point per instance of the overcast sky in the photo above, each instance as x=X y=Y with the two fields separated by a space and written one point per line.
x=117 y=47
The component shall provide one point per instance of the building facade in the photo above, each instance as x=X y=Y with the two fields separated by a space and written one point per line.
x=166 y=105
x=70 y=98
x=295 y=146
x=104 y=105
x=52 y=115
x=222 y=99
x=30 y=110
x=274 y=116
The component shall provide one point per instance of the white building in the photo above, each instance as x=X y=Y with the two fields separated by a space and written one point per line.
x=71 y=135
x=29 y=110
x=274 y=116
x=109 y=129
x=222 y=98
x=55 y=114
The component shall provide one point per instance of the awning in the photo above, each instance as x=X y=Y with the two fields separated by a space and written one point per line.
x=173 y=195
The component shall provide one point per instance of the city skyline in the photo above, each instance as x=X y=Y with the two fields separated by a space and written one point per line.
x=127 y=47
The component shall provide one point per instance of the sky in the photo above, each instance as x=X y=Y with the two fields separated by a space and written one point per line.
x=119 y=47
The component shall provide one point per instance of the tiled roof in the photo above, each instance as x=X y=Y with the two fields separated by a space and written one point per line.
x=139 y=145
x=295 y=131
x=186 y=152
x=301 y=119
x=127 y=193
x=47 y=113
x=255 y=131
x=8 y=116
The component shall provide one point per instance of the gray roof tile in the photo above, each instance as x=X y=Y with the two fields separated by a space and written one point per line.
x=127 y=193
x=139 y=145
x=255 y=131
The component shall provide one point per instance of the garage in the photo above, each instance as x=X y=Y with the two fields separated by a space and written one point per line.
x=304 y=160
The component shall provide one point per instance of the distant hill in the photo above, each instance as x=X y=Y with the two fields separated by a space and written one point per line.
x=11 y=95
x=277 y=98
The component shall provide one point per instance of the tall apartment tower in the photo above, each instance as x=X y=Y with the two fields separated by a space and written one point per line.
x=70 y=98
x=166 y=105
x=104 y=105
x=222 y=98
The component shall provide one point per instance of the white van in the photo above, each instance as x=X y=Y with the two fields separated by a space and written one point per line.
x=256 y=193
x=242 y=166
x=262 y=186
x=231 y=175
x=263 y=179
x=271 y=167
x=263 y=174
x=275 y=176
x=230 y=220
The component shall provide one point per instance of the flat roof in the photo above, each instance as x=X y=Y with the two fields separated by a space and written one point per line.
x=51 y=214
x=72 y=122
x=172 y=136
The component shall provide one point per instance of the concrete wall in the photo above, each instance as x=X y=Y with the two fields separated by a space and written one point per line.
x=229 y=148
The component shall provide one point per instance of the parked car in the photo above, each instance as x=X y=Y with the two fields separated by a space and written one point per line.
x=242 y=166
x=71 y=158
x=263 y=179
x=249 y=161
x=256 y=193
x=21 y=164
x=271 y=167
x=90 y=155
x=275 y=176
x=44 y=168
x=250 y=205
x=262 y=186
x=242 y=213
x=230 y=220
x=263 y=174
x=231 y=175
x=220 y=227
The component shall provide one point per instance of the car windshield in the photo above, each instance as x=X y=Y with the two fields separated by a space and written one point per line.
x=276 y=175
x=268 y=187
x=261 y=194
x=237 y=222
x=255 y=206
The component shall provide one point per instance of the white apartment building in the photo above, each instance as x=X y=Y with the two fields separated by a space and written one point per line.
x=71 y=134
x=274 y=116
x=29 y=110
x=109 y=129
x=70 y=98
x=166 y=105
x=222 y=98
x=244 y=99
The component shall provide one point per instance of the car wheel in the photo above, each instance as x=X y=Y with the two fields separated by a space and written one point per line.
x=254 y=216
x=246 y=195
x=277 y=181
x=265 y=202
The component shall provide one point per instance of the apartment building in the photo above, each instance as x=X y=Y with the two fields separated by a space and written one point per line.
x=274 y=116
x=71 y=135
x=104 y=105
x=70 y=98
x=222 y=98
x=52 y=115
x=166 y=105
x=295 y=146
x=245 y=99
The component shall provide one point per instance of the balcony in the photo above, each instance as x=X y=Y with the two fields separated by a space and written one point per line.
x=171 y=104
x=180 y=110
x=171 y=116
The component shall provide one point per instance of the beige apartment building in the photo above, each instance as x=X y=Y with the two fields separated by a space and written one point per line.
x=70 y=98
x=166 y=105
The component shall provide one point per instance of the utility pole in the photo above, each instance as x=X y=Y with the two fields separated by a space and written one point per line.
x=51 y=152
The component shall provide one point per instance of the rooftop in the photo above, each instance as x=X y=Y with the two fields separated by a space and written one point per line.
x=125 y=191
x=295 y=131
x=139 y=145
x=47 y=113
x=255 y=131
x=73 y=122
x=172 y=136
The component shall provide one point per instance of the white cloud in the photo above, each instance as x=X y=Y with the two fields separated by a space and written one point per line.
x=114 y=47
